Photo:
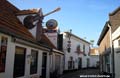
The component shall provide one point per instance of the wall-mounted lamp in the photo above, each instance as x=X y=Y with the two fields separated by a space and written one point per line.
x=29 y=58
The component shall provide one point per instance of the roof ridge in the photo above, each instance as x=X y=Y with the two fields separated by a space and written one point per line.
x=115 y=11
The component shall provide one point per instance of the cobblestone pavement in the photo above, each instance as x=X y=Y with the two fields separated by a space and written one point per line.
x=82 y=73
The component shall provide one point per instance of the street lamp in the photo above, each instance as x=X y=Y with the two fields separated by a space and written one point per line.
x=69 y=41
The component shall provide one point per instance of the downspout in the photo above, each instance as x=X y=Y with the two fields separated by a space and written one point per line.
x=112 y=52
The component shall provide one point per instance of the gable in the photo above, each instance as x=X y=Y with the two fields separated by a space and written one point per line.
x=9 y=22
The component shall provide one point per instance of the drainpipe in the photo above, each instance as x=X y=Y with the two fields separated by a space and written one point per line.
x=112 y=52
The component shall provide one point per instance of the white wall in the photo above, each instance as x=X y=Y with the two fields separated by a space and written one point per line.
x=117 y=59
x=10 y=60
x=115 y=38
x=74 y=43
x=53 y=61
x=52 y=37
x=93 y=60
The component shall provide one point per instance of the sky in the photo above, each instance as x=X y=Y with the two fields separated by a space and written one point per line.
x=86 y=18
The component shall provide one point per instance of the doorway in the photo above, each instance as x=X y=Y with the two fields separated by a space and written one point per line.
x=79 y=63
x=88 y=62
x=44 y=64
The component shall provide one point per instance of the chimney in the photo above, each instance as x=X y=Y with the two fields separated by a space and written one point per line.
x=39 y=30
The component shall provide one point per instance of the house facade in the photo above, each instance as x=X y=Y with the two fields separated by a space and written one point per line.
x=22 y=59
x=109 y=45
x=115 y=24
x=25 y=52
x=51 y=32
x=76 y=52
x=94 y=58
x=116 y=43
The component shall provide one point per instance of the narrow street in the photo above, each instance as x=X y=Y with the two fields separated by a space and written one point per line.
x=38 y=41
x=81 y=73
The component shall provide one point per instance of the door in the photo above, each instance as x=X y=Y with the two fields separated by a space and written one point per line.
x=19 y=62
x=88 y=62
x=34 y=62
x=57 y=64
x=79 y=63
x=44 y=64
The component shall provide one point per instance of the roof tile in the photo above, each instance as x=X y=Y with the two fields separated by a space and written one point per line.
x=30 y=11
x=9 y=22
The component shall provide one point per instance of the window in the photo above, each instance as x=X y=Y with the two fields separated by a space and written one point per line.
x=3 y=49
x=19 y=63
x=70 y=63
x=88 y=62
x=83 y=48
x=89 y=52
x=34 y=62
x=78 y=49
x=118 y=42
x=107 y=62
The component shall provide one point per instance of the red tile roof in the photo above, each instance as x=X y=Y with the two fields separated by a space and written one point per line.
x=4 y=4
x=47 y=41
x=10 y=24
x=30 y=11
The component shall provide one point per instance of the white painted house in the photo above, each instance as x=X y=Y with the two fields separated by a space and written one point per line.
x=51 y=32
x=24 y=51
x=94 y=57
x=116 y=43
x=77 y=56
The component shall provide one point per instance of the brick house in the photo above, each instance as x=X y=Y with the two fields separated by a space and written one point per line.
x=108 y=44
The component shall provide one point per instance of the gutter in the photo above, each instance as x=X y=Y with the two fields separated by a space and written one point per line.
x=17 y=37
x=58 y=51
x=77 y=37
x=112 y=52
x=20 y=41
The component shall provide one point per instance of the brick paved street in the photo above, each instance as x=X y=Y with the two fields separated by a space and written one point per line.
x=79 y=73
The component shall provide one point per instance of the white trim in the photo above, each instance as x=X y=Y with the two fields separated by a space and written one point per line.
x=58 y=51
x=29 y=44
x=116 y=33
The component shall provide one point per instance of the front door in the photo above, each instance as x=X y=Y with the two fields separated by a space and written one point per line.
x=79 y=63
x=88 y=62
x=44 y=64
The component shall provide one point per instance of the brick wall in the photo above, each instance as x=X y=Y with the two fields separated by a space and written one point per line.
x=115 y=20
x=105 y=43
